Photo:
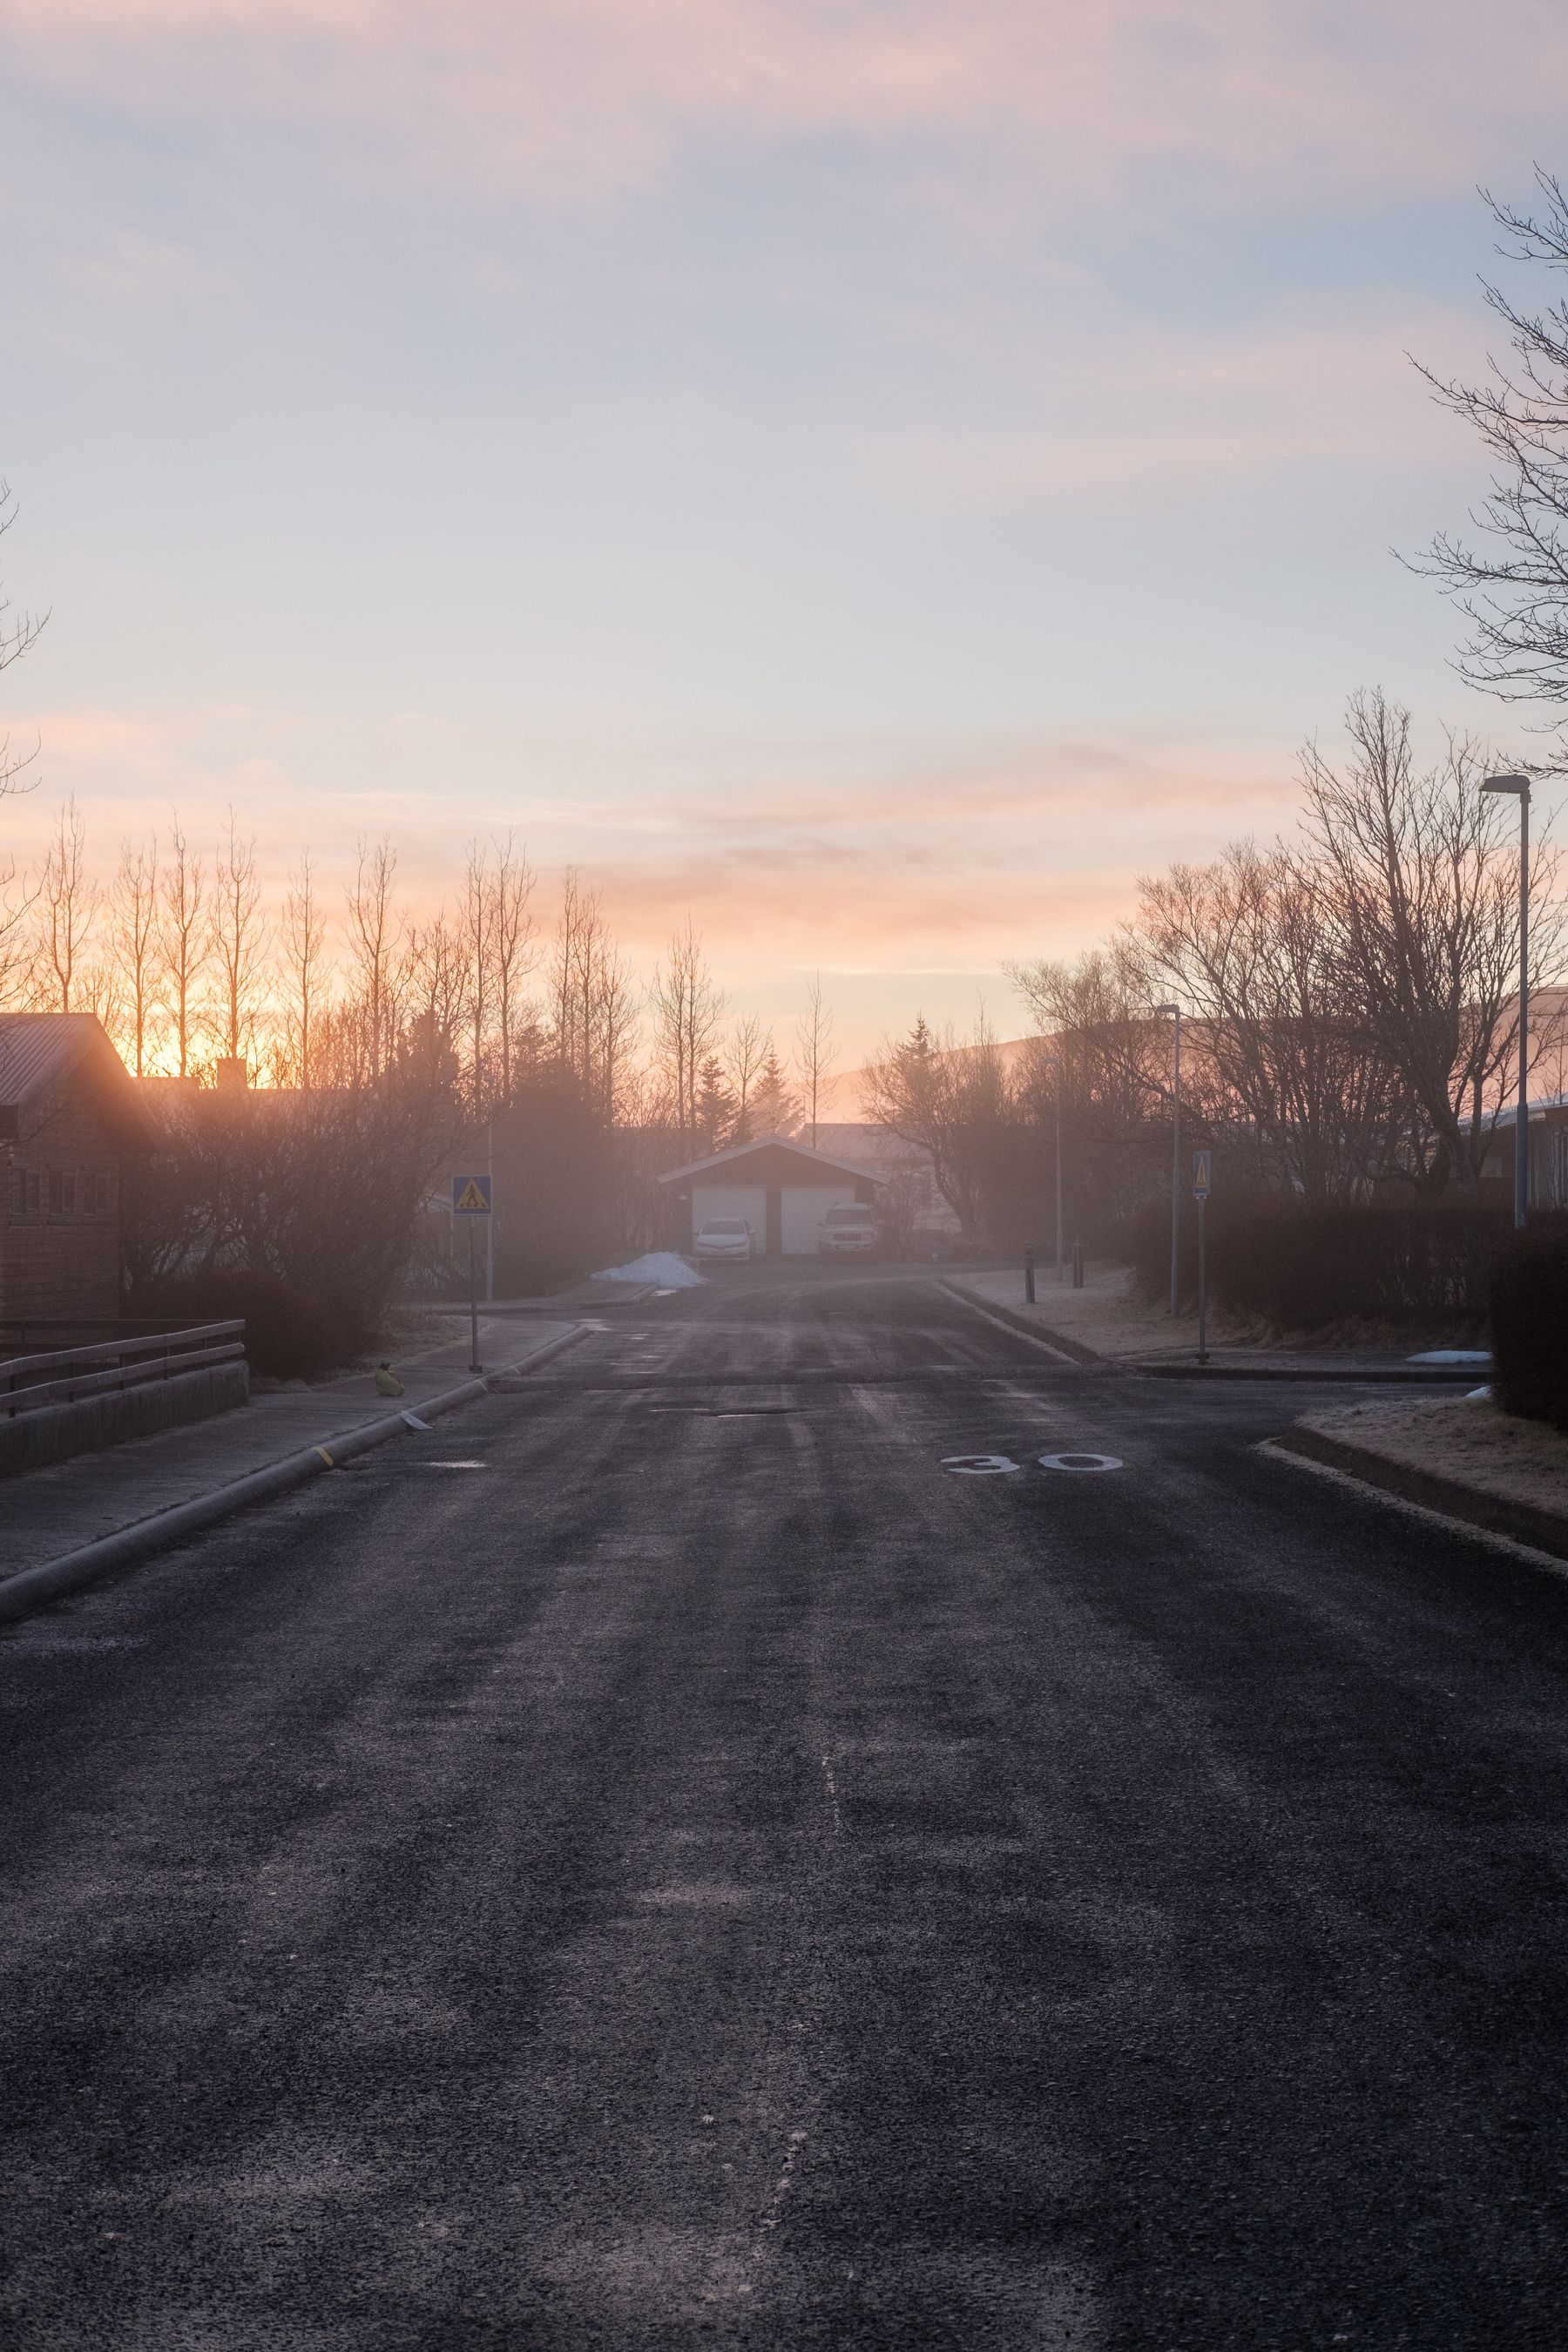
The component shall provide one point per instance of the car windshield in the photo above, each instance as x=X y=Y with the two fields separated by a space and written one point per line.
x=849 y=1216
x=725 y=1225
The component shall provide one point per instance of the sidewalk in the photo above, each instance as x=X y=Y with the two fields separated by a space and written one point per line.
x=48 y=1514
x=1105 y=1322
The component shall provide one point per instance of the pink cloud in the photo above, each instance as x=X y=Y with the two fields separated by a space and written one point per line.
x=573 y=102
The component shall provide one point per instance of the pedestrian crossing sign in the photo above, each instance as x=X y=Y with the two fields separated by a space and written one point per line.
x=1203 y=1172
x=471 y=1196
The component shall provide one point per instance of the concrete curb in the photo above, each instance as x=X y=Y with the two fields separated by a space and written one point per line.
x=34 y=1588
x=1071 y=1351
x=1415 y=1376
x=1445 y=1499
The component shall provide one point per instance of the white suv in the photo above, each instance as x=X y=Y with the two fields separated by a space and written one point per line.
x=848 y=1230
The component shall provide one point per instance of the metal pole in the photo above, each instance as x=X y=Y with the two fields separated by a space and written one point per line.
x=1176 y=1177
x=1029 y=1274
x=1522 y=1139
x=1060 y=1276
x=1202 y=1284
x=473 y=1301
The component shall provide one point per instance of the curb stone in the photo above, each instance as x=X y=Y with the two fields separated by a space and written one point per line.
x=1073 y=1350
x=1468 y=1507
x=72 y=1571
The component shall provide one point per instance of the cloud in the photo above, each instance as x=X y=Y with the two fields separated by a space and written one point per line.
x=573 y=101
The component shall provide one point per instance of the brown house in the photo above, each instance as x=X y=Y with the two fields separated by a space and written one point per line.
x=70 y=1116
x=781 y=1187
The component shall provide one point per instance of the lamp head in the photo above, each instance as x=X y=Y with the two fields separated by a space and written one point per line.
x=1168 y=1008
x=1519 y=785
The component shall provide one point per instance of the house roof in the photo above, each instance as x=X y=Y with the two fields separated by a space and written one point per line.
x=769 y=1143
x=38 y=1049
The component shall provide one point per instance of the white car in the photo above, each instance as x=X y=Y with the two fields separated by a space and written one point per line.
x=725 y=1237
x=848 y=1230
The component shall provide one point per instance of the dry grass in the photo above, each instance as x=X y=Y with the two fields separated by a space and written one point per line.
x=1464 y=1439
x=1107 y=1314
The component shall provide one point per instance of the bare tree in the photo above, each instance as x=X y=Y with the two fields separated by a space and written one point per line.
x=473 y=921
x=68 y=904
x=815 y=1056
x=16 y=636
x=687 y=1009
x=133 y=941
x=302 y=940
x=238 y=933
x=183 y=939
x=945 y=1099
x=1512 y=586
x=1419 y=895
x=591 y=999
x=1275 y=1032
x=512 y=951
x=748 y=1044
x=374 y=937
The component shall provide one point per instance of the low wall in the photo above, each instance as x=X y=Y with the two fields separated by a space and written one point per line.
x=58 y=1431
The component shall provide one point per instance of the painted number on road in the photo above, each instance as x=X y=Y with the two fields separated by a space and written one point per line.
x=978 y=1465
x=1079 y=1462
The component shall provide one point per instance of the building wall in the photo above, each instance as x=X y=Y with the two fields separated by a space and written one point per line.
x=61 y=1212
x=767 y=1173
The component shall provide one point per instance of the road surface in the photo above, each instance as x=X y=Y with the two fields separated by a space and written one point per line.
x=663 y=1861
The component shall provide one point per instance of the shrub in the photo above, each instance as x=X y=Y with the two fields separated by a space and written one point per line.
x=1529 y=1291
x=289 y=1334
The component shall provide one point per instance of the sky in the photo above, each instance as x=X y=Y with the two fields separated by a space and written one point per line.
x=878 y=477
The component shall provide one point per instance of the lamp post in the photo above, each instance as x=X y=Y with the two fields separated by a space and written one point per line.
x=1056 y=1091
x=1176 y=1010
x=1518 y=788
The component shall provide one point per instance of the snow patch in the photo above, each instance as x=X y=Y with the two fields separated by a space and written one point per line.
x=660 y=1267
x=1452 y=1356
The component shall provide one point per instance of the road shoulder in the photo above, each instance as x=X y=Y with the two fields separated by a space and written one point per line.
x=211 y=1470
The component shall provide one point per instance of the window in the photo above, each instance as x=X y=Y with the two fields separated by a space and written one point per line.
x=30 y=1178
x=62 y=1191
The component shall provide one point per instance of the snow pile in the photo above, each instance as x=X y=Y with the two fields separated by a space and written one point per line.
x=660 y=1267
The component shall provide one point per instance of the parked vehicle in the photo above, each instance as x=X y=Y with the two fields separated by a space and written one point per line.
x=850 y=1230
x=725 y=1237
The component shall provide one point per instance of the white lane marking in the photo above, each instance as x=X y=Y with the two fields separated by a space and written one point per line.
x=978 y=1465
x=452 y=1465
x=413 y=1420
x=833 y=1796
x=1081 y=1461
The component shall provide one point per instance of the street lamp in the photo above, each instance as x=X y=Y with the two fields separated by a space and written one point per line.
x=1518 y=788
x=1176 y=1010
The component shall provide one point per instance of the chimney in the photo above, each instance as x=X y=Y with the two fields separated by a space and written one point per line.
x=230 y=1075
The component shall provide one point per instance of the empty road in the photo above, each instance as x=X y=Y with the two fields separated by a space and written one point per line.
x=665 y=1859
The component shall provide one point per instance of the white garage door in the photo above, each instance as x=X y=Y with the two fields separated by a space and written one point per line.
x=747 y=1201
x=804 y=1208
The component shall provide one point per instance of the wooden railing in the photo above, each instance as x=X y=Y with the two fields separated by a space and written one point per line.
x=61 y=1375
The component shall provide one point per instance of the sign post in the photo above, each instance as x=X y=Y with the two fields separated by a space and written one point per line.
x=471 y=1200
x=1203 y=1176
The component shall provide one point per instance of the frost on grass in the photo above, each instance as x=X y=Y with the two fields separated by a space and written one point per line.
x=660 y=1267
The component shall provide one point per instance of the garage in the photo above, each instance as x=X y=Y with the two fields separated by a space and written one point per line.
x=747 y=1201
x=802 y=1208
x=782 y=1188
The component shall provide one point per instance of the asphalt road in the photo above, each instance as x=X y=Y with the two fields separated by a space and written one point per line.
x=662 y=1861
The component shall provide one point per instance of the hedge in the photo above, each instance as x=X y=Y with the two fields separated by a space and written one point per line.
x=1529 y=1290
x=1300 y=1269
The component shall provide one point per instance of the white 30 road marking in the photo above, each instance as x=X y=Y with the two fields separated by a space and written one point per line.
x=978 y=1465
x=1079 y=1462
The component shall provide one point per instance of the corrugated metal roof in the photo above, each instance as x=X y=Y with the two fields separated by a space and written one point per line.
x=37 y=1048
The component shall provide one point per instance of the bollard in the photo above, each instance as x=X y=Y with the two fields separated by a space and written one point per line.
x=1029 y=1274
x=1078 y=1265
